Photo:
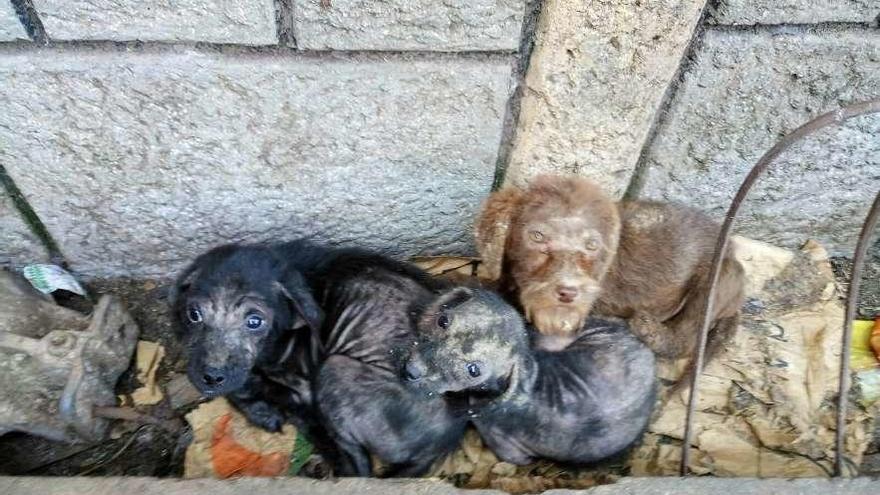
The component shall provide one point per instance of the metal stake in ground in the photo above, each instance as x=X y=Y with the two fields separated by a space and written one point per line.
x=852 y=298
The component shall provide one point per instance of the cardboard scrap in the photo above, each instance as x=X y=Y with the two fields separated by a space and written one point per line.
x=149 y=356
x=441 y=265
x=767 y=400
x=225 y=444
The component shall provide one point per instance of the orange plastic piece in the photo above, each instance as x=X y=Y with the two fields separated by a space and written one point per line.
x=230 y=458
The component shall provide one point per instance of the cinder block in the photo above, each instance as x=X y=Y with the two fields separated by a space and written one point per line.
x=10 y=27
x=596 y=80
x=18 y=245
x=744 y=93
x=137 y=162
x=794 y=11
x=480 y=25
x=250 y=22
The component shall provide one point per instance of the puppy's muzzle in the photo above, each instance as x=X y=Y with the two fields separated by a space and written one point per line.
x=566 y=294
x=413 y=371
x=212 y=381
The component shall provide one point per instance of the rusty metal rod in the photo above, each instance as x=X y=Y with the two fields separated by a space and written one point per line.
x=852 y=298
x=825 y=120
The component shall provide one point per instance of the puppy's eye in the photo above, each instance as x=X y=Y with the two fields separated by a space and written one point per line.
x=443 y=321
x=536 y=236
x=254 y=322
x=473 y=369
x=194 y=314
x=592 y=245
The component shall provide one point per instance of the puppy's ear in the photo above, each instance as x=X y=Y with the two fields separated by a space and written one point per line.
x=294 y=287
x=183 y=282
x=455 y=297
x=493 y=226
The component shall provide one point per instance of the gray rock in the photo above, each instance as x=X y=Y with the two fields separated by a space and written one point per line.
x=10 y=27
x=216 y=21
x=18 y=246
x=408 y=25
x=794 y=11
x=136 y=162
x=743 y=94
x=597 y=77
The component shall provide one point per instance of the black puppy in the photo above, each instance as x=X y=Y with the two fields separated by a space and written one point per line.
x=578 y=405
x=360 y=394
x=250 y=324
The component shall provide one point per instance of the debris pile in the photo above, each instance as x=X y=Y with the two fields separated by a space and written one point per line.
x=56 y=364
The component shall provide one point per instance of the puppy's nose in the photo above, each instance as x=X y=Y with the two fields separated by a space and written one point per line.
x=213 y=377
x=566 y=294
x=412 y=371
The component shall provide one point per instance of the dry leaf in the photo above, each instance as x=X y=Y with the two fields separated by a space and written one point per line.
x=444 y=265
x=149 y=355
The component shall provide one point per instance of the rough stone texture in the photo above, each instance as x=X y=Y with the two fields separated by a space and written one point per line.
x=251 y=486
x=597 y=77
x=136 y=162
x=364 y=486
x=709 y=486
x=743 y=94
x=869 y=290
x=10 y=27
x=249 y=22
x=408 y=25
x=794 y=11
x=18 y=246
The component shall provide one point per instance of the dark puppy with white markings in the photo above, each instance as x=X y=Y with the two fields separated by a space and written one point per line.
x=250 y=328
x=579 y=405
x=361 y=397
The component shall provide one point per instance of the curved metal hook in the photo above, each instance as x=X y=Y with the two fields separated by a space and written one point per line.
x=831 y=118
x=852 y=297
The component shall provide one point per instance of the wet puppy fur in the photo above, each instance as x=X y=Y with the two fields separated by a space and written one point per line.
x=562 y=249
x=360 y=393
x=249 y=325
x=587 y=402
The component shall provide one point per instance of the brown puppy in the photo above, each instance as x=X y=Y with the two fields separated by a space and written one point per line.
x=562 y=248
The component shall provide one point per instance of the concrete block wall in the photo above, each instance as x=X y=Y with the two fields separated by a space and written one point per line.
x=142 y=133
x=676 y=100
x=10 y=27
x=758 y=71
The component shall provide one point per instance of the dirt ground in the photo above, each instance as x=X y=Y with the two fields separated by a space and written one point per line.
x=150 y=450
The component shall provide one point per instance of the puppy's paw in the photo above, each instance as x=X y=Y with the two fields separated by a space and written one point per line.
x=264 y=416
x=317 y=467
x=651 y=332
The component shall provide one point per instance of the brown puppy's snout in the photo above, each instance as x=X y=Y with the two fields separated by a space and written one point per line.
x=566 y=293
